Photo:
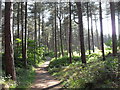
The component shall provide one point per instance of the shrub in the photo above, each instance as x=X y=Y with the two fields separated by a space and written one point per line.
x=62 y=61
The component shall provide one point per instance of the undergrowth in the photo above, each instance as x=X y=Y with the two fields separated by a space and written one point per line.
x=25 y=77
x=96 y=74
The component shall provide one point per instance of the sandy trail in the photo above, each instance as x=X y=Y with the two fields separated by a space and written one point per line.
x=44 y=80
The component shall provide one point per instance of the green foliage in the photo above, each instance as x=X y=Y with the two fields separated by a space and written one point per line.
x=109 y=43
x=6 y=81
x=62 y=61
x=18 y=40
x=32 y=52
x=50 y=54
x=96 y=74
x=25 y=77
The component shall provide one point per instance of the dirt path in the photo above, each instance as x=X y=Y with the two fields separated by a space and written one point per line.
x=44 y=80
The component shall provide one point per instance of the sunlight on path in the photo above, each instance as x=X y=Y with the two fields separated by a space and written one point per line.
x=43 y=78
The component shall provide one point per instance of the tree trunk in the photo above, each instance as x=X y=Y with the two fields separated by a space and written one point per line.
x=23 y=48
x=35 y=35
x=55 y=35
x=18 y=19
x=81 y=33
x=25 y=45
x=39 y=30
x=92 y=31
x=118 y=76
x=119 y=28
x=114 y=39
x=97 y=35
x=70 y=34
x=43 y=33
x=101 y=29
x=61 y=42
x=13 y=26
x=88 y=28
x=9 y=53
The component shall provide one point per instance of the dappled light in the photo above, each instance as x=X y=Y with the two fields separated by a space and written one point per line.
x=59 y=45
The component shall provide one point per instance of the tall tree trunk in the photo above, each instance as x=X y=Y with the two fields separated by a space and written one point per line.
x=55 y=34
x=114 y=39
x=1 y=39
x=18 y=21
x=35 y=35
x=81 y=33
x=9 y=53
x=118 y=76
x=53 y=42
x=97 y=35
x=13 y=26
x=25 y=45
x=119 y=28
x=101 y=30
x=61 y=42
x=39 y=30
x=43 y=32
x=70 y=34
x=92 y=30
x=88 y=28
x=22 y=31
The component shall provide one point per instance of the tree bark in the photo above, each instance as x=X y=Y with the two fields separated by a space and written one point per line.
x=61 y=42
x=114 y=39
x=97 y=35
x=88 y=28
x=25 y=45
x=43 y=32
x=22 y=29
x=101 y=30
x=35 y=35
x=70 y=34
x=92 y=30
x=39 y=30
x=81 y=33
x=18 y=14
x=9 y=53
x=119 y=28
x=55 y=35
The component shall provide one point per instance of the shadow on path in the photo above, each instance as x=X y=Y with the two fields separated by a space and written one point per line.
x=44 y=80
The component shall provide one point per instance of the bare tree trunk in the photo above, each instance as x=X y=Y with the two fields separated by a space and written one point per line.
x=81 y=33
x=25 y=45
x=97 y=35
x=22 y=31
x=61 y=42
x=114 y=39
x=18 y=21
x=35 y=35
x=43 y=32
x=53 y=41
x=119 y=28
x=55 y=35
x=92 y=31
x=70 y=34
x=13 y=26
x=101 y=29
x=88 y=28
x=39 y=30
x=9 y=52
x=118 y=76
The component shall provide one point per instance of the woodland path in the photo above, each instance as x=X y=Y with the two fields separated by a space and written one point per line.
x=44 y=80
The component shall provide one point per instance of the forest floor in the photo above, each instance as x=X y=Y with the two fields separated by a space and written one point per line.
x=44 y=80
